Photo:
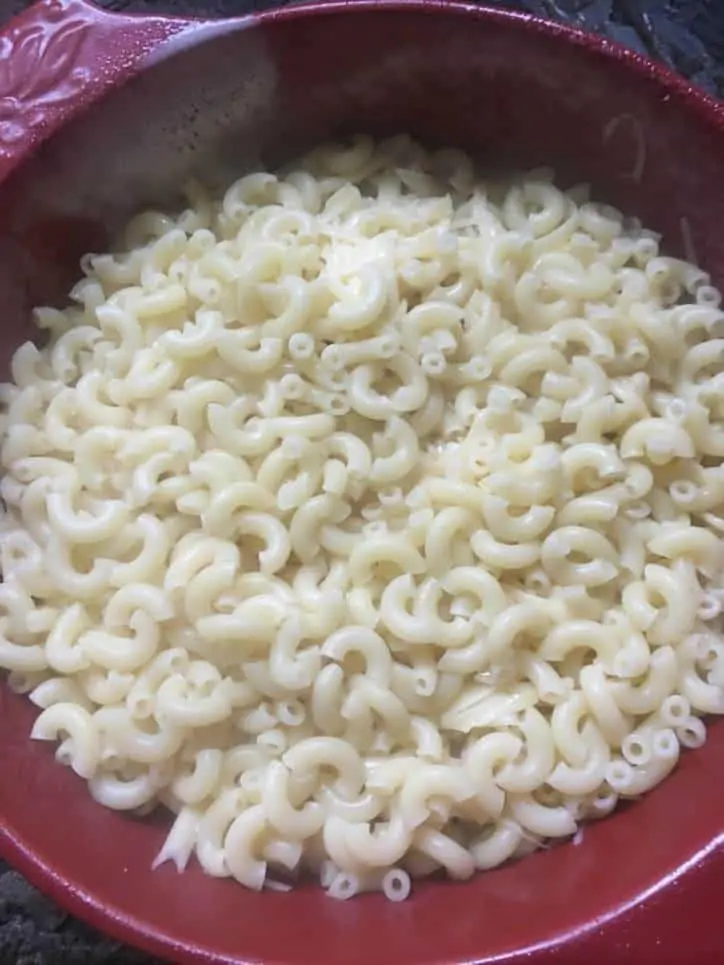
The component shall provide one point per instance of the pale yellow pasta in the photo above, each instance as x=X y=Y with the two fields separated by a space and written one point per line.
x=369 y=519
x=82 y=735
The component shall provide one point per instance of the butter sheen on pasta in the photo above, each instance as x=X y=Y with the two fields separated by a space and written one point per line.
x=370 y=519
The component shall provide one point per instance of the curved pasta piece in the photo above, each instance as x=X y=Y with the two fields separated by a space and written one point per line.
x=368 y=644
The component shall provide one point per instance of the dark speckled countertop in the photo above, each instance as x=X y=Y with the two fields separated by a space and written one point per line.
x=686 y=34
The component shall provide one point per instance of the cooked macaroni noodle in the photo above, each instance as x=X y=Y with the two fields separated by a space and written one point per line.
x=370 y=519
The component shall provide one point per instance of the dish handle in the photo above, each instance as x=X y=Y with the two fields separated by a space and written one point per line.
x=58 y=57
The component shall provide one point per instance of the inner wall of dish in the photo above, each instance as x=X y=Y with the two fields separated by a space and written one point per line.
x=213 y=108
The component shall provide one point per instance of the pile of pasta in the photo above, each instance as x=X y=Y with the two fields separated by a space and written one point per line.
x=370 y=519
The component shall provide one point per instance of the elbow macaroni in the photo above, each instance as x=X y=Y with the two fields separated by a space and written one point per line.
x=369 y=519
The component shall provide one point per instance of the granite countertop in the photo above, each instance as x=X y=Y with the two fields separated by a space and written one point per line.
x=689 y=36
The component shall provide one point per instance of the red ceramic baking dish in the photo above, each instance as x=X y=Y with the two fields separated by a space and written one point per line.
x=101 y=113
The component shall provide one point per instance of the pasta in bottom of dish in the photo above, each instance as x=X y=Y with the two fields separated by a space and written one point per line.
x=370 y=519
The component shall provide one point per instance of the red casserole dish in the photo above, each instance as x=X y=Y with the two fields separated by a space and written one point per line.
x=101 y=113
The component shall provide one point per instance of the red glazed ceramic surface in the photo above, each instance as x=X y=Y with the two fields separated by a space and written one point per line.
x=135 y=105
x=58 y=56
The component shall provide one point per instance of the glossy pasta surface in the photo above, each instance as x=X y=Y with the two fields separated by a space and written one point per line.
x=370 y=519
